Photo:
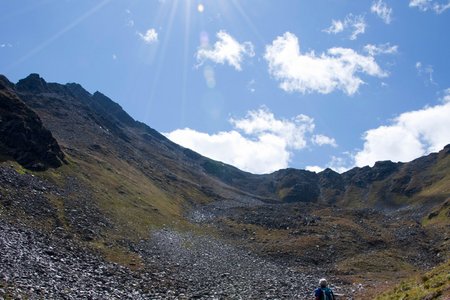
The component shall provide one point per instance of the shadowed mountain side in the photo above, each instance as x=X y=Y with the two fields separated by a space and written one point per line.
x=22 y=134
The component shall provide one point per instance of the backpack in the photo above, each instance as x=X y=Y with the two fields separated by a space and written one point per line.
x=324 y=294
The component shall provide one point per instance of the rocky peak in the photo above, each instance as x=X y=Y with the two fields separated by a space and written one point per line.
x=5 y=83
x=447 y=149
x=33 y=83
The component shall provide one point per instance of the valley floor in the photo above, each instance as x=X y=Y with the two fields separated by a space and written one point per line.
x=56 y=246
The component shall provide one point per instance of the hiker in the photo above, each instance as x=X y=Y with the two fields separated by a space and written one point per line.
x=323 y=292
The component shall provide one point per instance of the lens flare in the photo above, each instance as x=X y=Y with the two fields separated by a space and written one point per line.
x=210 y=77
x=204 y=39
x=200 y=8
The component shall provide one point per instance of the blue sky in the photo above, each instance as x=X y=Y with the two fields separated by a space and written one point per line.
x=259 y=84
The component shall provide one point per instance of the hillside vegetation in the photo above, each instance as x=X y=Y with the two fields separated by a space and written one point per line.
x=431 y=285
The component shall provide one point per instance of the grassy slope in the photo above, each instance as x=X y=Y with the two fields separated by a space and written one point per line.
x=440 y=188
x=434 y=284
x=132 y=203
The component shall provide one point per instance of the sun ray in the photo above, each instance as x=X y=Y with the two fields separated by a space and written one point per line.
x=246 y=18
x=187 y=29
x=57 y=35
x=161 y=56
x=24 y=10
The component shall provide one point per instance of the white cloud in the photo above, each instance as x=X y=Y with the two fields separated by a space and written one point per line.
x=425 y=5
x=359 y=27
x=356 y=23
x=425 y=71
x=440 y=8
x=411 y=134
x=341 y=164
x=251 y=85
x=338 y=164
x=321 y=140
x=316 y=169
x=226 y=50
x=381 y=9
x=130 y=22
x=338 y=68
x=263 y=122
x=419 y=3
x=264 y=155
x=150 y=36
x=336 y=27
x=258 y=143
x=374 y=50
x=446 y=97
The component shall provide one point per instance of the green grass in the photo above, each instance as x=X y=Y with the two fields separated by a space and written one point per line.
x=432 y=285
x=383 y=262
x=439 y=217
x=441 y=188
x=58 y=204
x=126 y=196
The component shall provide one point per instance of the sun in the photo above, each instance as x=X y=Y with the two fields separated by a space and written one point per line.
x=200 y=8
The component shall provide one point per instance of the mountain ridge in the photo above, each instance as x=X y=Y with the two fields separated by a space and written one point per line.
x=286 y=185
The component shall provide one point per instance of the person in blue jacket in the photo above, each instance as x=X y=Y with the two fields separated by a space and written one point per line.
x=323 y=292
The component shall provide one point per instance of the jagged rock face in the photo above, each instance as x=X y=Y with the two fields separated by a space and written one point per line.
x=33 y=83
x=22 y=135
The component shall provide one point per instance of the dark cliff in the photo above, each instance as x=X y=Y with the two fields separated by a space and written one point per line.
x=22 y=134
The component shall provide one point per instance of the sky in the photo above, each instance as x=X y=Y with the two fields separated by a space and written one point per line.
x=258 y=84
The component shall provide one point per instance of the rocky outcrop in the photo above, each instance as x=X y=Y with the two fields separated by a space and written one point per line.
x=33 y=83
x=22 y=135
